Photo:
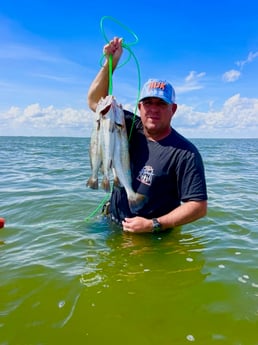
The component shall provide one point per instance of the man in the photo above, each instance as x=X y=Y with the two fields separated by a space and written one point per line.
x=166 y=167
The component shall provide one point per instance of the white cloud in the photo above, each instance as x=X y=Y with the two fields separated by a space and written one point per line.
x=251 y=56
x=240 y=112
x=37 y=120
x=193 y=77
x=237 y=117
x=231 y=75
x=192 y=82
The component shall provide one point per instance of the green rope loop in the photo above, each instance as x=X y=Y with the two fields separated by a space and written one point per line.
x=120 y=24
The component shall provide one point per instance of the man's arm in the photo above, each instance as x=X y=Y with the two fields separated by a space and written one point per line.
x=183 y=214
x=99 y=86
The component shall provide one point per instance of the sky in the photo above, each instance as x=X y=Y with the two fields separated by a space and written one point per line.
x=51 y=50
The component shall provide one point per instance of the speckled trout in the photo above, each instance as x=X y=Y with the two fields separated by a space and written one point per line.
x=109 y=151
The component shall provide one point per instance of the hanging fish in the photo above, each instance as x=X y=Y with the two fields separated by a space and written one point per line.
x=109 y=151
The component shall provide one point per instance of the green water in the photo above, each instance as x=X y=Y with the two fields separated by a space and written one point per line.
x=65 y=280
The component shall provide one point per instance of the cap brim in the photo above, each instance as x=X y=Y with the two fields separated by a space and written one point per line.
x=163 y=99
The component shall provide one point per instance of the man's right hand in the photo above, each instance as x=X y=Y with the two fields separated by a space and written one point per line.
x=114 y=48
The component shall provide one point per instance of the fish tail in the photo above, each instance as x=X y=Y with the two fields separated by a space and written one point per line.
x=92 y=183
x=137 y=202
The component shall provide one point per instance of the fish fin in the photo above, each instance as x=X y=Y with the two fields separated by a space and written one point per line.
x=98 y=125
x=92 y=183
x=117 y=182
x=105 y=184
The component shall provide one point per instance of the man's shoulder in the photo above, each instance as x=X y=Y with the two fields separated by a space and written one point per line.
x=132 y=119
x=183 y=143
x=130 y=115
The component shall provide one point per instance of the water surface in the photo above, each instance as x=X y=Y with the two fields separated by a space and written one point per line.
x=67 y=280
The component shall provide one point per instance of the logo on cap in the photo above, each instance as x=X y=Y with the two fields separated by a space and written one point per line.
x=157 y=85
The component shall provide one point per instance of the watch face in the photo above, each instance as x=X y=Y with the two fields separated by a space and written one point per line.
x=156 y=225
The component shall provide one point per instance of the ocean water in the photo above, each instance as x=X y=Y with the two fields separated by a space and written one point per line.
x=67 y=276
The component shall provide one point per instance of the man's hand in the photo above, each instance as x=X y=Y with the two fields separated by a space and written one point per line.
x=114 y=48
x=137 y=225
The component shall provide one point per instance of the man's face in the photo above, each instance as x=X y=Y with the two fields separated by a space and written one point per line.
x=156 y=115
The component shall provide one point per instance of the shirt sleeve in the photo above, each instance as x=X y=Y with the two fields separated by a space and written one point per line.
x=191 y=178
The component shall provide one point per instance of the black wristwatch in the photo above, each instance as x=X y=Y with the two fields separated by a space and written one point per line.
x=156 y=227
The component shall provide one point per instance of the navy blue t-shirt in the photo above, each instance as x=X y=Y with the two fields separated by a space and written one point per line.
x=167 y=172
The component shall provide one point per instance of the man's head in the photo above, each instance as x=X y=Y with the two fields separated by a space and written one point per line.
x=159 y=89
x=157 y=107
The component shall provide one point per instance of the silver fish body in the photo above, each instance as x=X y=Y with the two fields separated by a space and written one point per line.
x=95 y=154
x=110 y=142
x=102 y=144
x=107 y=140
x=121 y=163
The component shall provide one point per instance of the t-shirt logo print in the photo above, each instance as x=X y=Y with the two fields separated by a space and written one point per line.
x=145 y=175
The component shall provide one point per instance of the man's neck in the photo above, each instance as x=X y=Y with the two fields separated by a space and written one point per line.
x=154 y=136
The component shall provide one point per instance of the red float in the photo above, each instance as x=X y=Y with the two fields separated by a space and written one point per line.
x=2 y=221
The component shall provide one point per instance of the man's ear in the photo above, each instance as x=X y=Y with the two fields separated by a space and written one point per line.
x=174 y=108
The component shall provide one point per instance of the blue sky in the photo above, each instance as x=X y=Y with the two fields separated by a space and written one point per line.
x=50 y=51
